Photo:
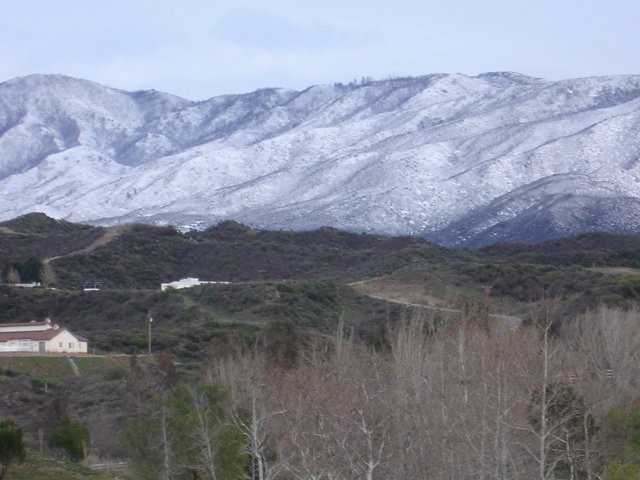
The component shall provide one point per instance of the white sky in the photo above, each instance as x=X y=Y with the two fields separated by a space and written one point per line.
x=206 y=48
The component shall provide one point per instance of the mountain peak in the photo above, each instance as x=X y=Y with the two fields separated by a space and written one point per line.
x=462 y=159
x=50 y=81
x=38 y=222
x=510 y=77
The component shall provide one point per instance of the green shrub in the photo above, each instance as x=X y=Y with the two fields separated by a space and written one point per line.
x=622 y=471
x=115 y=372
x=72 y=437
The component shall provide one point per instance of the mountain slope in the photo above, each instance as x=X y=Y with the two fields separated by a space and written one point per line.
x=457 y=159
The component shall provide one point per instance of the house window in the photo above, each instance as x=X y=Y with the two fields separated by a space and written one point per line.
x=60 y=344
x=70 y=345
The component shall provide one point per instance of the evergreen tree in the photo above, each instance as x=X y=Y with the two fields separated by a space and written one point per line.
x=11 y=446
x=72 y=436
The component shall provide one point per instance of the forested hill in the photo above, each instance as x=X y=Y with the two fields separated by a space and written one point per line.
x=143 y=256
x=37 y=235
x=587 y=249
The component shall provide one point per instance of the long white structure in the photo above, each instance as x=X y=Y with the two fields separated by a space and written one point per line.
x=185 y=283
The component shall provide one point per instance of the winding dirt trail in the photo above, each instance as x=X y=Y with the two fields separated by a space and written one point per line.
x=409 y=297
x=9 y=231
x=109 y=234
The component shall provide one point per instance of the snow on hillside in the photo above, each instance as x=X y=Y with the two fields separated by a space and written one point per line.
x=454 y=158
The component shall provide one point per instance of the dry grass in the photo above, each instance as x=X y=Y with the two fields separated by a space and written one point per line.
x=51 y=367
x=44 y=467
x=57 y=367
x=401 y=289
x=624 y=271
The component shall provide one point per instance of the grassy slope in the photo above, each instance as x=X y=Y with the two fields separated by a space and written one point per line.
x=44 y=467
x=57 y=369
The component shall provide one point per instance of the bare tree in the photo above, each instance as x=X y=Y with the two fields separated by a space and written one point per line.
x=607 y=342
x=460 y=401
x=252 y=413
x=205 y=435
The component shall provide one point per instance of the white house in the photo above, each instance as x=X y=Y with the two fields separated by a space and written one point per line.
x=43 y=337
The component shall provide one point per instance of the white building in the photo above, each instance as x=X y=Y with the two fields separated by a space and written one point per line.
x=185 y=283
x=26 y=285
x=42 y=337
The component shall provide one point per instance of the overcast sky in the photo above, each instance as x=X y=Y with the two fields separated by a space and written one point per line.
x=200 y=48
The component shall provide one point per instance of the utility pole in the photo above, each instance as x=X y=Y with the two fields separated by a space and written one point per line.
x=485 y=307
x=150 y=321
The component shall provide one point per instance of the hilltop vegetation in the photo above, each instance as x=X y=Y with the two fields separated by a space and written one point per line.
x=145 y=256
x=588 y=250
x=36 y=235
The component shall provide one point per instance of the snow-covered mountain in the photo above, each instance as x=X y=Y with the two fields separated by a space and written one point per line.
x=454 y=158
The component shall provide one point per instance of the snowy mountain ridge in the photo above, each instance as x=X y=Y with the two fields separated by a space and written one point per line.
x=454 y=158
